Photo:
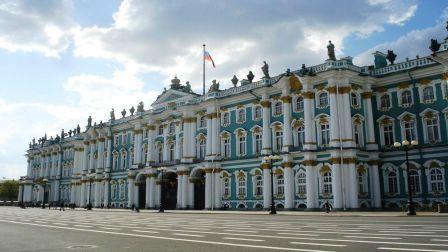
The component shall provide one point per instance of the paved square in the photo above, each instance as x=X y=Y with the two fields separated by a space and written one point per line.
x=50 y=230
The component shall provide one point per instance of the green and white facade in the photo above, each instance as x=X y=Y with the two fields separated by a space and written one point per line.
x=333 y=126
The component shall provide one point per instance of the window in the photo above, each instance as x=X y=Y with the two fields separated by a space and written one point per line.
x=323 y=100
x=278 y=108
x=241 y=186
x=201 y=151
x=299 y=104
x=172 y=128
x=145 y=134
x=385 y=102
x=354 y=99
x=361 y=176
x=145 y=154
x=327 y=182
x=115 y=162
x=258 y=185
x=122 y=190
x=131 y=160
x=226 y=147
x=409 y=130
x=414 y=181
x=241 y=115
x=436 y=180
x=161 y=130
x=300 y=137
x=257 y=143
x=202 y=122
x=357 y=132
x=432 y=130
x=280 y=185
x=301 y=183
x=241 y=145
x=406 y=98
x=278 y=141
x=324 y=134
x=181 y=143
x=124 y=139
x=123 y=160
x=171 y=152
x=388 y=135
x=159 y=154
x=226 y=187
x=392 y=182
x=257 y=113
x=226 y=118
x=428 y=94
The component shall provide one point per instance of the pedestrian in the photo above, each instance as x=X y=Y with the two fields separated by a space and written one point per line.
x=61 y=207
x=327 y=207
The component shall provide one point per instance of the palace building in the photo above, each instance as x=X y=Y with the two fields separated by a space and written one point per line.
x=331 y=126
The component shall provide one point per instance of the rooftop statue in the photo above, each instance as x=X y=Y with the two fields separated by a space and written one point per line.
x=78 y=129
x=175 y=83
x=123 y=113
x=265 y=69
x=250 y=77
x=234 y=80
x=214 y=87
x=288 y=72
x=70 y=133
x=140 y=107
x=434 y=46
x=330 y=49
x=112 y=114
x=187 y=87
x=62 y=133
x=132 y=110
x=391 y=56
x=34 y=140
x=89 y=121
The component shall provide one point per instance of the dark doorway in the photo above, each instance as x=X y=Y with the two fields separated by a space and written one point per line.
x=170 y=190
x=142 y=193
x=199 y=190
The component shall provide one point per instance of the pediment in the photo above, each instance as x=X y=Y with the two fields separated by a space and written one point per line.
x=170 y=96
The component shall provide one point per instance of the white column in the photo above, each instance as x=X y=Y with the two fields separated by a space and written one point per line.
x=289 y=186
x=312 y=200
x=99 y=160
x=109 y=154
x=266 y=139
x=209 y=135
x=187 y=139
x=130 y=191
x=151 y=147
x=368 y=117
x=179 y=190
x=165 y=143
x=138 y=146
x=208 y=189
x=217 y=189
x=148 y=191
x=56 y=190
x=92 y=151
x=83 y=195
x=73 y=194
x=28 y=167
x=86 y=156
x=266 y=185
x=157 y=195
x=152 y=191
x=19 y=199
x=106 y=192
x=310 y=130
x=376 y=184
x=185 y=183
x=287 y=131
x=98 y=186
x=215 y=134
x=177 y=146
x=335 y=113
x=192 y=142
x=353 y=183
x=346 y=116
x=190 y=194
x=337 y=186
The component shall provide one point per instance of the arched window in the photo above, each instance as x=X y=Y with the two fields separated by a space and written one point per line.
x=171 y=152
x=258 y=185
x=241 y=115
x=388 y=134
x=257 y=113
x=201 y=150
x=122 y=190
x=181 y=149
x=278 y=108
x=406 y=98
x=432 y=129
x=392 y=182
x=280 y=184
x=354 y=99
x=428 y=94
x=385 y=102
x=257 y=143
x=131 y=159
x=113 y=191
x=159 y=154
x=327 y=188
x=123 y=160
x=115 y=162
x=226 y=118
x=357 y=133
x=278 y=140
x=242 y=186
x=172 y=128
x=323 y=100
x=436 y=180
x=226 y=147
x=324 y=134
x=161 y=130
x=361 y=182
x=145 y=154
x=299 y=104
x=226 y=187
x=300 y=137
x=301 y=183
x=241 y=145
x=414 y=181
x=409 y=130
x=202 y=122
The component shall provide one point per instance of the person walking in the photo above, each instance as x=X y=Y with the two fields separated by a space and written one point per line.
x=327 y=207
x=61 y=207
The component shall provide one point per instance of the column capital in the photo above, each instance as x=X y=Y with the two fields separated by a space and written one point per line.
x=286 y=99
x=367 y=95
x=309 y=162
x=265 y=166
x=308 y=95
x=265 y=103
x=288 y=164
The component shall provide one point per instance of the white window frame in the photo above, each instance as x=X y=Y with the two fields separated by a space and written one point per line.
x=224 y=121
x=254 y=113
x=301 y=182
x=277 y=109
x=422 y=97
x=241 y=119
x=400 y=98
x=296 y=101
x=319 y=101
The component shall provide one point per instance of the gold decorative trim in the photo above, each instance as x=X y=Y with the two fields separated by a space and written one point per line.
x=308 y=95
x=367 y=95
x=286 y=99
x=288 y=164
x=425 y=81
x=265 y=104
x=309 y=162
x=265 y=166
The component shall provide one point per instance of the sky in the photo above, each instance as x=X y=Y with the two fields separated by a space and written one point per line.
x=63 y=60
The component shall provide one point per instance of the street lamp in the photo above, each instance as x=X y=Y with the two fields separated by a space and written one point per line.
x=406 y=145
x=89 y=205
x=269 y=159
x=45 y=188
x=162 y=198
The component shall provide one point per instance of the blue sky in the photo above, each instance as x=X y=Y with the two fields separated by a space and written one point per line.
x=64 y=60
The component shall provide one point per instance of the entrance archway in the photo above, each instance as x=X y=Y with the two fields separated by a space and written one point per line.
x=141 y=191
x=169 y=190
x=198 y=179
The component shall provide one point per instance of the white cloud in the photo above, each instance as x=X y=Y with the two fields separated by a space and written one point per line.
x=44 y=27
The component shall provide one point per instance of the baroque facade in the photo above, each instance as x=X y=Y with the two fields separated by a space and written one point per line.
x=333 y=125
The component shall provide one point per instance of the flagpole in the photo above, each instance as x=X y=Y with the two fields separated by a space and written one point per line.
x=203 y=69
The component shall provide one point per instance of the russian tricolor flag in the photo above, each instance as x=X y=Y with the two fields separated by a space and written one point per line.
x=209 y=58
